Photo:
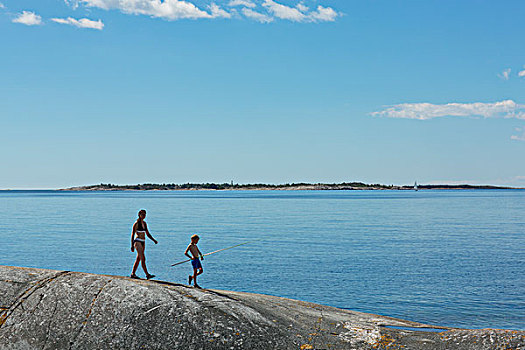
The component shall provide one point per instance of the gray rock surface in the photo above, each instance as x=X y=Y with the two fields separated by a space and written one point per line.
x=47 y=309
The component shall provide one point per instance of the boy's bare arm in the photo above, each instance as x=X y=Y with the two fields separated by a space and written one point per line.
x=202 y=256
x=186 y=252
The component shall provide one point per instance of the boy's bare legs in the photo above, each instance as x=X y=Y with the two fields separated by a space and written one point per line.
x=193 y=277
x=196 y=272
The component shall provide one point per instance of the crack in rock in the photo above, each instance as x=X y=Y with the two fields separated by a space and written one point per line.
x=26 y=294
x=48 y=332
x=83 y=325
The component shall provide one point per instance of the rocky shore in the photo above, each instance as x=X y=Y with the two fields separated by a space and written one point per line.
x=48 y=309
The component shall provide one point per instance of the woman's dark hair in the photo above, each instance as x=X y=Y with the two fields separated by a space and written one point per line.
x=140 y=221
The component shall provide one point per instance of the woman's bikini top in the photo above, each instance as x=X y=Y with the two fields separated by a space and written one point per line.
x=141 y=227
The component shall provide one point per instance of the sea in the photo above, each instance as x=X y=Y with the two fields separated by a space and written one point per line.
x=451 y=258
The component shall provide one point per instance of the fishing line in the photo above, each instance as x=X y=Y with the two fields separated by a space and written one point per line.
x=216 y=251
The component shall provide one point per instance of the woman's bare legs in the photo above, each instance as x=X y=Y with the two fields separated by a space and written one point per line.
x=141 y=258
x=135 y=265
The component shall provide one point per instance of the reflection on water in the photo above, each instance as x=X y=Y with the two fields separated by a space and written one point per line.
x=453 y=258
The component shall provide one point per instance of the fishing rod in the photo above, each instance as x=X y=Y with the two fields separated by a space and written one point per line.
x=216 y=251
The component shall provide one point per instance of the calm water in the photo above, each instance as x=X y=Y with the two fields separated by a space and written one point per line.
x=453 y=258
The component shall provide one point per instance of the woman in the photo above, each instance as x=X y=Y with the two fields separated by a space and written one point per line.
x=140 y=229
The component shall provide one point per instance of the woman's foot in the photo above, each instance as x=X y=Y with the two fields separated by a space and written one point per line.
x=134 y=276
x=190 y=277
x=197 y=286
x=148 y=276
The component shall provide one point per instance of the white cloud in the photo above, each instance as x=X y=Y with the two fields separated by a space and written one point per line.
x=505 y=74
x=245 y=3
x=28 y=18
x=72 y=3
x=2 y=6
x=217 y=12
x=284 y=12
x=520 y=136
x=259 y=17
x=424 y=111
x=324 y=14
x=167 y=9
x=180 y=9
x=300 y=12
x=80 y=23
x=302 y=7
x=522 y=73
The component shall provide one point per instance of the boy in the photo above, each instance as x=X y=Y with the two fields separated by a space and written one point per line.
x=195 y=253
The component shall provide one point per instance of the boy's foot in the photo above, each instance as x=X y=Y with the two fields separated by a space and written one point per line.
x=189 y=279
x=197 y=286
x=134 y=276
x=148 y=276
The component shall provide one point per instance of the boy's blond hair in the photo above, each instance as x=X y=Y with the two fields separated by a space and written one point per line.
x=195 y=237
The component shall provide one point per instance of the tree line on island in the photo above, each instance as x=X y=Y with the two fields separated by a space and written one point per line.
x=261 y=186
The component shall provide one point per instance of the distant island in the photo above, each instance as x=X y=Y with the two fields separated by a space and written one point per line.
x=350 y=186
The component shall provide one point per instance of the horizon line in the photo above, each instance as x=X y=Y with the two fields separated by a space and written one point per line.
x=259 y=184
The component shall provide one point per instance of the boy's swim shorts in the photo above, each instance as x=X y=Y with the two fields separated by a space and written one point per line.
x=196 y=264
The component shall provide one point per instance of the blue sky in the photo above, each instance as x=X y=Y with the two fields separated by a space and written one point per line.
x=261 y=91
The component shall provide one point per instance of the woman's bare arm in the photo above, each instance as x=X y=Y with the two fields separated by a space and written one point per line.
x=133 y=235
x=150 y=236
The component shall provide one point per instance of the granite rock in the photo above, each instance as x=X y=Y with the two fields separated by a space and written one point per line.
x=47 y=309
